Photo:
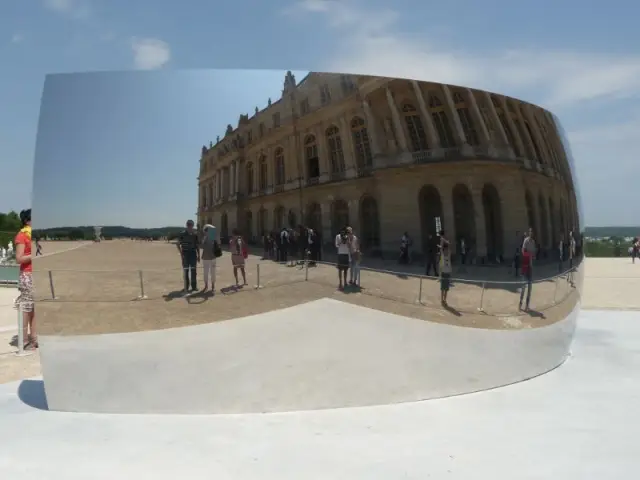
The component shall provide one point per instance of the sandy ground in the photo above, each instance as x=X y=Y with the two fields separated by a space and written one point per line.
x=97 y=289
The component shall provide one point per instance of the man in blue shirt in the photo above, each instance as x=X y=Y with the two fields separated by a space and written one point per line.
x=189 y=248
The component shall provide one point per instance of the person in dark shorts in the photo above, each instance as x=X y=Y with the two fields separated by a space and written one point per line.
x=342 y=245
x=445 y=269
x=189 y=248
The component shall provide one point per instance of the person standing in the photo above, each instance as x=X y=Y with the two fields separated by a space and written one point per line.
x=342 y=247
x=210 y=252
x=239 y=254
x=188 y=246
x=432 y=255
x=38 y=247
x=561 y=254
x=405 y=245
x=445 y=269
x=572 y=253
x=354 y=257
x=25 y=281
x=528 y=254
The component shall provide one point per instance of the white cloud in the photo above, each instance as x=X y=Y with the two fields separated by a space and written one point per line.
x=17 y=38
x=373 y=42
x=150 y=53
x=78 y=9
x=608 y=136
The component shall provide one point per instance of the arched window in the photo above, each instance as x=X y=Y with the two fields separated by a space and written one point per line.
x=361 y=142
x=311 y=157
x=250 y=185
x=465 y=119
x=264 y=173
x=336 y=153
x=279 y=166
x=441 y=121
x=415 y=128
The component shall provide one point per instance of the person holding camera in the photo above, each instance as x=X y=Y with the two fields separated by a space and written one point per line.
x=342 y=245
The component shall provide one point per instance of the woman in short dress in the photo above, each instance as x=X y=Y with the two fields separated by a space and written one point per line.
x=25 y=281
x=238 y=256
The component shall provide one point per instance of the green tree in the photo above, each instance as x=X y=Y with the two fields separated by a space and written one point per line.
x=9 y=226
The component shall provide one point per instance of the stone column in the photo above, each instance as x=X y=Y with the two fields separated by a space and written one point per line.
x=327 y=234
x=432 y=134
x=449 y=220
x=372 y=129
x=530 y=150
x=236 y=176
x=512 y=126
x=504 y=140
x=481 y=228
x=485 y=138
x=323 y=154
x=350 y=165
x=535 y=128
x=397 y=122
x=458 y=131
x=354 y=216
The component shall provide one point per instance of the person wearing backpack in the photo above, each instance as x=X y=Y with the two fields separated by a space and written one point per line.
x=210 y=251
x=239 y=254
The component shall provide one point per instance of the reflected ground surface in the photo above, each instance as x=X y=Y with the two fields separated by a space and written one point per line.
x=97 y=291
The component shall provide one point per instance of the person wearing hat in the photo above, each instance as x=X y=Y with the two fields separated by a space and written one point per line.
x=25 y=280
x=188 y=246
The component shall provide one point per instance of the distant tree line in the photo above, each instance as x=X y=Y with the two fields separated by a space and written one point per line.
x=108 y=233
x=620 y=232
x=9 y=226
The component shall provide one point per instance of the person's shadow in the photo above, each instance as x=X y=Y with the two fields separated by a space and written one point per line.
x=32 y=393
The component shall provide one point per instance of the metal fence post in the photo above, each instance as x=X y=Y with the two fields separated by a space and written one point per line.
x=306 y=270
x=142 y=295
x=258 y=275
x=420 y=292
x=21 y=351
x=53 y=292
x=555 y=289
x=481 y=307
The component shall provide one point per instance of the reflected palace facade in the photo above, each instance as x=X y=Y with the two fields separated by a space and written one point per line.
x=388 y=155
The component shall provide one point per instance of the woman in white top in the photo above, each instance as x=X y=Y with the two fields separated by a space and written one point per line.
x=342 y=245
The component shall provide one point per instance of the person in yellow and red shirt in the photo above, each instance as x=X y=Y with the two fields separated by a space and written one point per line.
x=25 y=280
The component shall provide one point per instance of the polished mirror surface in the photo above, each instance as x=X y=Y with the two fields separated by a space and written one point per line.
x=344 y=219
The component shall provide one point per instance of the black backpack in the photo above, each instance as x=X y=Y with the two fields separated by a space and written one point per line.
x=217 y=251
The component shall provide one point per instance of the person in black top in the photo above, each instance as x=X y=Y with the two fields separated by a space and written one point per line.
x=432 y=255
x=188 y=246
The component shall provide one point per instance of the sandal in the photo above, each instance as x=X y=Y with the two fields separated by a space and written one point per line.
x=33 y=341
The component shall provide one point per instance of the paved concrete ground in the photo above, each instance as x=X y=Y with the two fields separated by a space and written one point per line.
x=575 y=423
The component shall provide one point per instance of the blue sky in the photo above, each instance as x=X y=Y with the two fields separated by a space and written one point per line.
x=581 y=60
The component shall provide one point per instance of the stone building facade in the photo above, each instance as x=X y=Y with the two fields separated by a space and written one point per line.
x=386 y=156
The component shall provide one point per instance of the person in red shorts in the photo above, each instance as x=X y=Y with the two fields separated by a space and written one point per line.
x=25 y=280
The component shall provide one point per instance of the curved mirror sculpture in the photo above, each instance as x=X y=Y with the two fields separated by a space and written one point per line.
x=368 y=240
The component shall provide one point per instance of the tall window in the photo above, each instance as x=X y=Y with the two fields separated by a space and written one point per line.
x=346 y=84
x=304 y=106
x=336 y=153
x=261 y=127
x=279 y=165
x=263 y=173
x=276 y=120
x=311 y=156
x=325 y=94
x=250 y=185
x=249 y=136
x=416 y=129
x=441 y=122
x=361 y=142
x=465 y=119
